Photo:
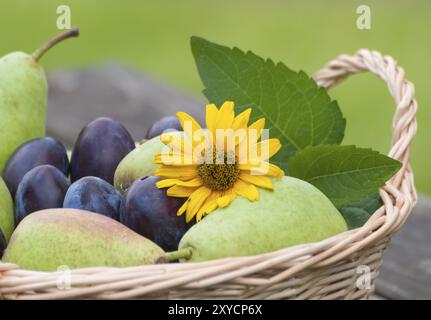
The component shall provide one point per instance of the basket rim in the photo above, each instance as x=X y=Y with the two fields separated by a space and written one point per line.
x=398 y=196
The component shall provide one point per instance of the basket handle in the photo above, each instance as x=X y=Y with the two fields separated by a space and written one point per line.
x=404 y=125
x=399 y=193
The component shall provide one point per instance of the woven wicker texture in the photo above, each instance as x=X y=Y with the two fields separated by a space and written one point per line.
x=330 y=269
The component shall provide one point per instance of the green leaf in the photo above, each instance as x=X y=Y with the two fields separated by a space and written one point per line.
x=355 y=217
x=358 y=213
x=296 y=110
x=345 y=174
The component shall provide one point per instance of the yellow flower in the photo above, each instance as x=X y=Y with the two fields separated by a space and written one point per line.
x=212 y=166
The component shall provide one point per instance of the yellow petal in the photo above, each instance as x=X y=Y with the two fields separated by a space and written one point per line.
x=173 y=158
x=262 y=168
x=206 y=210
x=251 y=166
x=254 y=132
x=258 y=125
x=189 y=124
x=183 y=208
x=260 y=181
x=226 y=199
x=225 y=115
x=177 y=143
x=167 y=137
x=211 y=117
x=196 y=182
x=166 y=183
x=266 y=149
x=180 y=191
x=197 y=198
x=241 y=120
x=239 y=126
x=183 y=172
x=246 y=190
x=274 y=171
x=209 y=205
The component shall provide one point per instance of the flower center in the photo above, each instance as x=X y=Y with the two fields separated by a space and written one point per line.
x=219 y=176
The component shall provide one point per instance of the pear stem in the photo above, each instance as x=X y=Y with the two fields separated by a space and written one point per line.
x=177 y=255
x=74 y=32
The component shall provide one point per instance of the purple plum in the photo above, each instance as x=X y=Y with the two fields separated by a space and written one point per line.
x=32 y=154
x=148 y=211
x=43 y=187
x=100 y=147
x=94 y=194
x=165 y=124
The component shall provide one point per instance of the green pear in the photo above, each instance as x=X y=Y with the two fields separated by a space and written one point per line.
x=294 y=213
x=138 y=163
x=7 y=218
x=49 y=239
x=23 y=97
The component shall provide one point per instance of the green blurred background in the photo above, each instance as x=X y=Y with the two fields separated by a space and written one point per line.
x=153 y=36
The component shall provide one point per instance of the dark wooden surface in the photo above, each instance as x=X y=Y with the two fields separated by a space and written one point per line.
x=77 y=97
x=406 y=271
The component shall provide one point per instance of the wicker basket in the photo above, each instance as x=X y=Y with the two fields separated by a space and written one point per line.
x=330 y=269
